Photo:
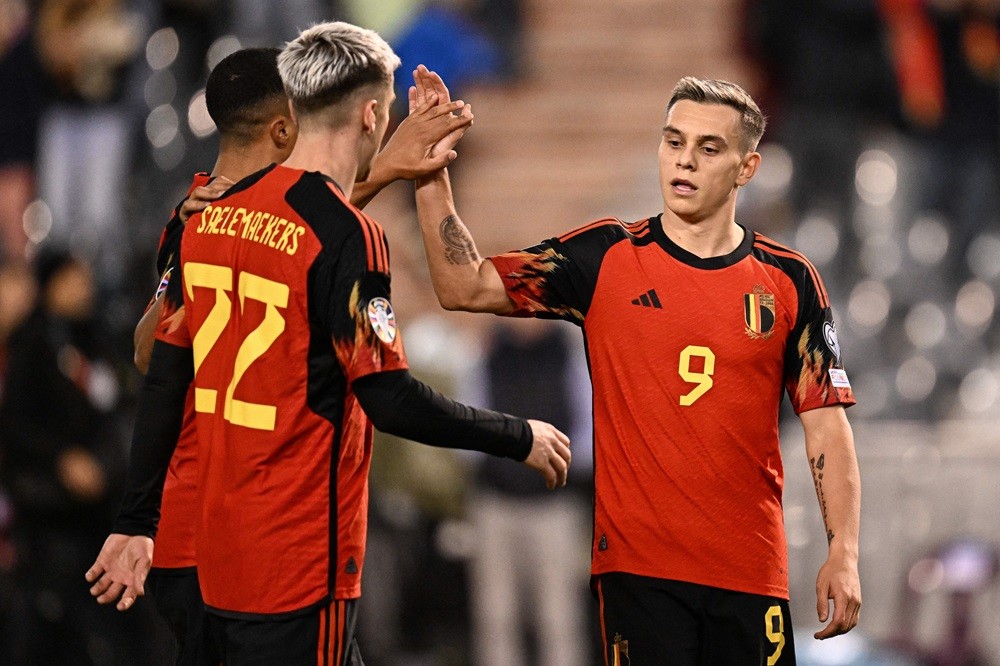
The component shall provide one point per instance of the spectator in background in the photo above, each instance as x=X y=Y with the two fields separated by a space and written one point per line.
x=445 y=39
x=86 y=48
x=57 y=468
x=17 y=298
x=529 y=567
x=20 y=106
x=946 y=58
x=831 y=86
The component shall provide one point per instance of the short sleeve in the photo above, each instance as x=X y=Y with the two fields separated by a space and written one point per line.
x=557 y=278
x=814 y=365
x=351 y=299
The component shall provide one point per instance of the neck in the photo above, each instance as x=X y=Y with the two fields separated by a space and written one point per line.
x=331 y=152
x=712 y=236
x=236 y=162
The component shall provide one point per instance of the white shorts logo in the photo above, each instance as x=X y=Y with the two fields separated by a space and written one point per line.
x=382 y=318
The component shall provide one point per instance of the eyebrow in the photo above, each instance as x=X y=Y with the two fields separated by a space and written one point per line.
x=702 y=138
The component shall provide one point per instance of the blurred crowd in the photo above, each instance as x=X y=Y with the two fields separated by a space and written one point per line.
x=885 y=137
x=882 y=164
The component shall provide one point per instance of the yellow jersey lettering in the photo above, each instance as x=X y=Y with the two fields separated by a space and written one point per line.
x=251 y=223
x=299 y=231
x=203 y=222
x=282 y=243
x=277 y=230
x=238 y=214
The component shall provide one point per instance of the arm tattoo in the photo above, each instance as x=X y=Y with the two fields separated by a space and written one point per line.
x=817 y=465
x=459 y=247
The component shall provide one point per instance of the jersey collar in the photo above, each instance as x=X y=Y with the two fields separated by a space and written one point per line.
x=693 y=260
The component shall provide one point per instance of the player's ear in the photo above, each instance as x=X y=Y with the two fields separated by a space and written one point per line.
x=370 y=116
x=280 y=130
x=751 y=162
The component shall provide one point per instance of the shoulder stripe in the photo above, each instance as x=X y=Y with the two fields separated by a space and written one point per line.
x=375 y=246
x=378 y=240
x=639 y=229
x=588 y=227
x=770 y=246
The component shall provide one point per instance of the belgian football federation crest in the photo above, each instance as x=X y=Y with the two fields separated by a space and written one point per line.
x=758 y=313
x=383 y=319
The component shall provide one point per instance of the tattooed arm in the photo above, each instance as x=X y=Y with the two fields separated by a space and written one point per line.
x=830 y=448
x=462 y=279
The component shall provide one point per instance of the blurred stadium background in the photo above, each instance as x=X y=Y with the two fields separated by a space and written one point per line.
x=880 y=163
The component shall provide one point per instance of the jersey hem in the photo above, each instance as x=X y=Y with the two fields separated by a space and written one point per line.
x=723 y=584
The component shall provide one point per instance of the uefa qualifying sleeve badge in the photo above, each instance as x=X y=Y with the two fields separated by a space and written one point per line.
x=382 y=318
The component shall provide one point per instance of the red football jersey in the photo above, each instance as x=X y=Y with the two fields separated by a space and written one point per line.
x=179 y=509
x=286 y=293
x=689 y=358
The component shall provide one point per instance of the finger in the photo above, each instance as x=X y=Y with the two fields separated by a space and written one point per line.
x=94 y=572
x=561 y=436
x=564 y=452
x=422 y=89
x=446 y=107
x=441 y=161
x=562 y=471
x=412 y=98
x=112 y=594
x=437 y=83
x=127 y=599
x=822 y=602
x=550 y=477
x=100 y=586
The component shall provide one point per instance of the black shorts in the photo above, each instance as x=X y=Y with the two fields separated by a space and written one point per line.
x=177 y=599
x=653 y=622
x=321 y=637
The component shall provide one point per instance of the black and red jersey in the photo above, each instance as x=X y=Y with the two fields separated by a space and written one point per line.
x=286 y=303
x=175 y=541
x=689 y=359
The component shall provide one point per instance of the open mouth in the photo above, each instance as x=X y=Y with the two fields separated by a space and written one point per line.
x=683 y=186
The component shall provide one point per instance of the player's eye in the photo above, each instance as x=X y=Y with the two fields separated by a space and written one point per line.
x=710 y=150
x=674 y=143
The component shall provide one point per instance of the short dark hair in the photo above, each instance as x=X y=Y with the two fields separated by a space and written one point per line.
x=242 y=91
x=715 y=91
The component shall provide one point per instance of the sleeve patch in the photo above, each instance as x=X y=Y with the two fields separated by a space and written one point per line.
x=383 y=319
x=838 y=378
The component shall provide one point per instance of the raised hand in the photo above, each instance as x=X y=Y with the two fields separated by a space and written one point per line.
x=424 y=142
x=428 y=86
x=550 y=453
x=119 y=572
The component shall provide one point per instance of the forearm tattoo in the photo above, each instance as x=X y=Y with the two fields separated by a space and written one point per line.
x=817 y=464
x=459 y=248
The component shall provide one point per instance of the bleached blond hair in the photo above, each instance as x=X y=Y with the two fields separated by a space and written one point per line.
x=329 y=61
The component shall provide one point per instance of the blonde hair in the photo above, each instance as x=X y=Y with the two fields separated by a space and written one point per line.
x=329 y=61
x=715 y=91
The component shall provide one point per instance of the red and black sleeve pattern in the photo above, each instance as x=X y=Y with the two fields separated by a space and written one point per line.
x=814 y=365
x=556 y=278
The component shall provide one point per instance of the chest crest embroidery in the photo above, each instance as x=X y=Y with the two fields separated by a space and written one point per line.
x=759 y=313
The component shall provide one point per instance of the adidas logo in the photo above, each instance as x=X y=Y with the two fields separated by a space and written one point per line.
x=648 y=300
x=352 y=566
